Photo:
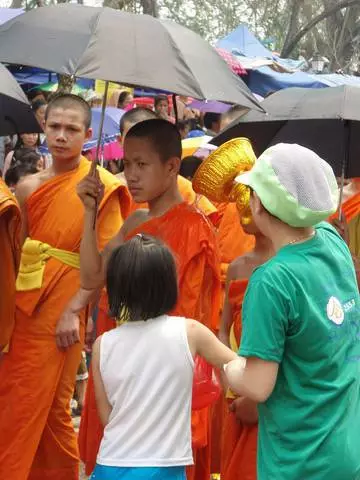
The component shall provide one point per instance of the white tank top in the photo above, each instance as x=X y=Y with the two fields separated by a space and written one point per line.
x=147 y=370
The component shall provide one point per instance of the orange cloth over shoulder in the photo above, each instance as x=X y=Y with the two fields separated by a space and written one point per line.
x=10 y=223
x=191 y=238
x=239 y=442
x=351 y=207
x=37 y=440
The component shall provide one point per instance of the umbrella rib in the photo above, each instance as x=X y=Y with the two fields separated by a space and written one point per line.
x=92 y=30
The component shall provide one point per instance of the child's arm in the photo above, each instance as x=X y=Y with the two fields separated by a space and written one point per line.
x=103 y=406
x=203 y=342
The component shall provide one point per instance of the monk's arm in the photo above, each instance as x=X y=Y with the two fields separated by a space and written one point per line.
x=227 y=316
x=103 y=406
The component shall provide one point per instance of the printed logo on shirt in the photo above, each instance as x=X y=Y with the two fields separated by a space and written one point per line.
x=335 y=311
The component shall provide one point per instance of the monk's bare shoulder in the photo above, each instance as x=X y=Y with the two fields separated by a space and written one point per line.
x=29 y=184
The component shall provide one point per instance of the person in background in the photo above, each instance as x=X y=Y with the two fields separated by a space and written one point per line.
x=183 y=111
x=25 y=140
x=212 y=123
x=39 y=109
x=125 y=99
x=236 y=111
x=189 y=165
x=184 y=128
x=161 y=108
x=140 y=442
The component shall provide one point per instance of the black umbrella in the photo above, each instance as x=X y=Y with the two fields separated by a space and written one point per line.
x=326 y=121
x=112 y=45
x=16 y=115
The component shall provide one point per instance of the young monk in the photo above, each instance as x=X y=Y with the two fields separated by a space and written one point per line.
x=10 y=248
x=151 y=169
x=37 y=440
x=299 y=352
x=240 y=431
x=136 y=115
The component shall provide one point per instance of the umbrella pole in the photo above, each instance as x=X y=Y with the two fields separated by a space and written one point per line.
x=345 y=162
x=96 y=159
x=176 y=113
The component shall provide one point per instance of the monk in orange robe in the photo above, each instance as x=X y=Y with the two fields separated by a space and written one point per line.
x=233 y=242
x=10 y=249
x=37 y=440
x=151 y=168
x=239 y=436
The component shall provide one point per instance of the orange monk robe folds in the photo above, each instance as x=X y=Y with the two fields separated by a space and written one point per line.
x=239 y=442
x=10 y=222
x=191 y=238
x=37 y=440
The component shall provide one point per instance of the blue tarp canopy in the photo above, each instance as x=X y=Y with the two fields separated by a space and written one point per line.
x=30 y=76
x=9 y=13
x=336 y=79
x=242 y=41
x=266 y=80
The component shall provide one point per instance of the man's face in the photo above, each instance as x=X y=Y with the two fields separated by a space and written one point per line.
x=162 y=108
x=65 y=133
x=146 y=175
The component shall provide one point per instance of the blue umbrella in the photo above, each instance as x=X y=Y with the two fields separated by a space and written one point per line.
x=111 y=121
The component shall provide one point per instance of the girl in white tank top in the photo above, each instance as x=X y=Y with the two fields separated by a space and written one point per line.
x=143 y=370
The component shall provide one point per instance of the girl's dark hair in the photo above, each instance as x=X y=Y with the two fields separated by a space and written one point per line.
x=16 y=172
x=38 y=104
x=141 y=280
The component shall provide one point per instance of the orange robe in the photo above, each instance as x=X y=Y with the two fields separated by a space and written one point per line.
x=239 y=442
x=190 y=197
x=191 y=238
x=233 y=242
x=37 y=440
x=10 y=222
x=351 y=210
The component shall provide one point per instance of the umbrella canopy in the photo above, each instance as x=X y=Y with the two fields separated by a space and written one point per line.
x=326 y=121
x=52 y=87
x=209 y=106
x=108 y=44
x=16 y=115
x=111 y=121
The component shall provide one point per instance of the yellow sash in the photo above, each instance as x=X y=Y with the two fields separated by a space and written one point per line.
x=235 y=348
x=34 y=256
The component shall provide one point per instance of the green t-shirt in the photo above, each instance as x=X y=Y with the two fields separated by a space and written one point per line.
x=301 y=310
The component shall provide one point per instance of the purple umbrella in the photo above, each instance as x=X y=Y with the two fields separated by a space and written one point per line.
x=209 y=106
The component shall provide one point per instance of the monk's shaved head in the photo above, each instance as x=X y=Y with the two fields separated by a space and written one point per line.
x=134 y=116
x=69 y=101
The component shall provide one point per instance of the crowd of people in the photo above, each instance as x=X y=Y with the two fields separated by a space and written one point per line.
x=248 y=263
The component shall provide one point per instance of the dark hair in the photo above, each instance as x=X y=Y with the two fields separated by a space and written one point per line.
x=141 y=280
x=160 y=98
x=189 y=165
x=136 y=115
x=210 y=118
x=122 y=97
x=68 y=100
x=25 y=155
x=38 y=104
x=163 y=135
x=183 y=124
x=16 y=172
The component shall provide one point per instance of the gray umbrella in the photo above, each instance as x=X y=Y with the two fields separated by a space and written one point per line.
x=325 y=120
x=135 y=50
x=16 y=115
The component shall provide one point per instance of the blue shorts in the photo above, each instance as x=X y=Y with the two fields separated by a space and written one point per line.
x=103 y=472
